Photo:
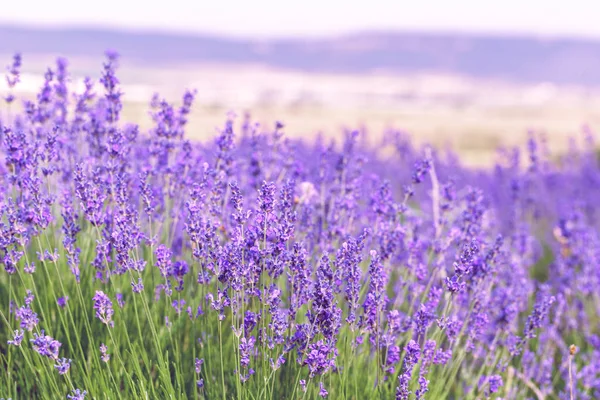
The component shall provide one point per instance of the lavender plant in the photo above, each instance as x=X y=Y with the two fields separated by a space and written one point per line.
x=145 y=265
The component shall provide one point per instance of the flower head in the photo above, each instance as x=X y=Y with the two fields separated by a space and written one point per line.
x=62 y=365
x=104 y=356
x=45 y=345
x=104 y=308
x=17 y=338
x=62 y=301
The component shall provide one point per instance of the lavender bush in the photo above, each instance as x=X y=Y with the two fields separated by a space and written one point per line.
x=144 y=265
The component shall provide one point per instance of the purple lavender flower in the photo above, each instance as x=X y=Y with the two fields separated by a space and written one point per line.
x=495 y=382
x=178 y=271
x=29 y=268
x=392 y=358
x=163 y=260
x=178 y=305
x=62 y=301
x=348 y=263
x=424 y=317
x=491 y=383
x=540 y=310
x=423 y=387
x=14 y=71
x=120 y=300
x=13 y=76
x=45 y=345
x=193 y=315
x=110 y=83
x=322 y=391
x=410 y=360
x=104 y=356
x=245 y=377
x=135 y=287
x=266 y=198
x=184 y=110
x=442 y=356
x=219 y=303
x=376 y=297
x=298 y=279
x=198 y=365
x=11 y=258
x=421 y=168
x=91 y=198
x=61 y=92
x=28 y=319
x=325 y=314
x=246 y=349
x=17 y=338
x=276 y=364
x=303 y=385
x=250 y=321
x=104 y=308
x=320 y=358
x=463 y=266
x=62 y=365
x=29 y=298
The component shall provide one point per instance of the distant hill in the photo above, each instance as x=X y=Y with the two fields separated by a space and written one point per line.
x=516 y=59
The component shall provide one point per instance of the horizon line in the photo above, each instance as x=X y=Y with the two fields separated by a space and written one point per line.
x=148 y=30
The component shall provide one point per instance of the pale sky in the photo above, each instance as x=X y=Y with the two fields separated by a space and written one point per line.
x=268 y=18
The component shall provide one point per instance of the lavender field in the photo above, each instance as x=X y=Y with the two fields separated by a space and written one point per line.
x=138 y=264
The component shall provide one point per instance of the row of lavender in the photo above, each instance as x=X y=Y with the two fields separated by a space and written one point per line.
x=143 y=265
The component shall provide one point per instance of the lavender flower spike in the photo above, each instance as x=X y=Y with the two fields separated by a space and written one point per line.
x=104 y=308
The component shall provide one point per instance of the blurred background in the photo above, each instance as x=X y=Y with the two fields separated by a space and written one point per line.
x=470 y=74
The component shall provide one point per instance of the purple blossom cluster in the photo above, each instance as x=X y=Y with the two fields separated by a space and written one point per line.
x=309 y=260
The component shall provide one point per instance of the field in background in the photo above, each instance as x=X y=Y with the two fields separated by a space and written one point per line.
x=472 y=116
